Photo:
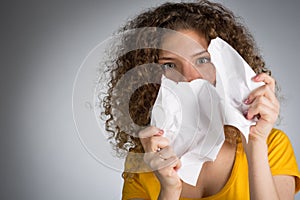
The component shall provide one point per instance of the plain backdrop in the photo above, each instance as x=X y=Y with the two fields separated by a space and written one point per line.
x=42 y=45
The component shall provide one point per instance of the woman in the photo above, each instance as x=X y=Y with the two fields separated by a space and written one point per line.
x=263 y=168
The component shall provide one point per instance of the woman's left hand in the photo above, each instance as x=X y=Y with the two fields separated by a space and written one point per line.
x=264 y=105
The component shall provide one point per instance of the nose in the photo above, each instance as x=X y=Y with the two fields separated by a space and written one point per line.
x=190 y=72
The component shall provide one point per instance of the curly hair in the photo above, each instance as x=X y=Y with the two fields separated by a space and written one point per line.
x=209 y=19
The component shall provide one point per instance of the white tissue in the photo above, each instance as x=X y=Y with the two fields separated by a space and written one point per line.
x=193 y=114
x=233 y=83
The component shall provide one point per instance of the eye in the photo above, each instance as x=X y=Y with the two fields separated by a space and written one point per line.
x=203 y=60
x=166 y=66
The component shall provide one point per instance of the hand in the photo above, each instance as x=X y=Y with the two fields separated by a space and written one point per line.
x=161 y=158
x=264 y=105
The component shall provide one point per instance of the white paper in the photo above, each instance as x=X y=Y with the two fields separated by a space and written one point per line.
x=233 y=83
x=193 y=114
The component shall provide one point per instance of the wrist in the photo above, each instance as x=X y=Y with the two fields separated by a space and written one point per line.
x=258 y=138
x=170 y=192
x=256 y=144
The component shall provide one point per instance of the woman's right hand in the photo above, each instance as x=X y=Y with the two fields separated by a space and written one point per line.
x=160 y=157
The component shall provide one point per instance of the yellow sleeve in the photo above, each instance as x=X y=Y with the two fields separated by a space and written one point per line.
x=281 y=155
x=132 y=188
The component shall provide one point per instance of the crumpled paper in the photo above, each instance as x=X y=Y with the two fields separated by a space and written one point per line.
x=195 y=130
x=233 y=83
x=193 y=114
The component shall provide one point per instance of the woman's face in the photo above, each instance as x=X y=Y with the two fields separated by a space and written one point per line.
x=184 y=57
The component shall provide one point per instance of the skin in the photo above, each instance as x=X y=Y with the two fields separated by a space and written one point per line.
x=262 y=102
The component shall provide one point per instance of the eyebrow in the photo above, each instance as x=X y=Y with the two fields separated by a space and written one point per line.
x=199 y=53
x=196 y=54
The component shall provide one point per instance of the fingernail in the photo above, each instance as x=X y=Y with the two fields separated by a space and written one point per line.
x=246 y=101
x=255 y=78
x=160 y=132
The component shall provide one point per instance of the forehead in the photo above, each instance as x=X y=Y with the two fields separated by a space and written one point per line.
x=183 y=43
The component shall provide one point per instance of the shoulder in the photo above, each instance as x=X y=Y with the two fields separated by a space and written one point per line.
x=139 y=180
x=279 y=145
x=282 y=159
x=277 y=138
x=277 y=135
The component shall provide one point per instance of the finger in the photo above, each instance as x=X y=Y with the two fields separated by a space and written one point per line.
x=166 y=153
x=265 y=113
x=268 y=80
x=162 y=159
x=172 y=162
x=263 y=107
x=150 y=131
x=260 y=131
x=157 y=163
x=154 y=143
x=261 y=91
x=171 y=168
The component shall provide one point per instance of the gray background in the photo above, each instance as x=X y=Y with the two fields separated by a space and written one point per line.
x=43 y=44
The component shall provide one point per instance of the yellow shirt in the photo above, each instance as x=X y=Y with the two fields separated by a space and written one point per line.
x=281 y=159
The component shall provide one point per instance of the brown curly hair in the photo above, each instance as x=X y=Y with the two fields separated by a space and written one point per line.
x=210 y=19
